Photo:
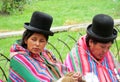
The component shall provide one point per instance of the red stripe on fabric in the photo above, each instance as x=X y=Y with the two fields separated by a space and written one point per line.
x=31 y=68
x=23 y=60
x=84 y=63
x=68 y=63
x=101 y=74
x=83 y=55
x=75 y=58
x=106 y=73
x=110 y=61
x=16 y=75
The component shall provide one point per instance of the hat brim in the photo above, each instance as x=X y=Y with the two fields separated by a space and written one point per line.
x=29 y=27
x=99 y=38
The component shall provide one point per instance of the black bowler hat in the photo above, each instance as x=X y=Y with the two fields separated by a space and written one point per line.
x=40 y=22
x=102 y=28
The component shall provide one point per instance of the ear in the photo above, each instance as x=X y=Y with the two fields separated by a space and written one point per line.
x=25 y=41
x=90 y=42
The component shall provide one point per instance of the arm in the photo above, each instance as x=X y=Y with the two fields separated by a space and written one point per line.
x=68 y=62
x=72 y=60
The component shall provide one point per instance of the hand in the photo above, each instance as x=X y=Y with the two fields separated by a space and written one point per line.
x=73 y=77
x=78 y=77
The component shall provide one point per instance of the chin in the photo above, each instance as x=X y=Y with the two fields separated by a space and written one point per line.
x=99 y=59
x=35 y=52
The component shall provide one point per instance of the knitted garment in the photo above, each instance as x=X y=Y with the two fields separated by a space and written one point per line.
x=80 y=59
x=28 y=67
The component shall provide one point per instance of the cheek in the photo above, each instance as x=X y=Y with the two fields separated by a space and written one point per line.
x=42 y=46
x=29 y=45
x=97 y=53
x=95 y=50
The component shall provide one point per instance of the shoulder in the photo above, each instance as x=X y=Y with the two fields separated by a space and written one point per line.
x=19 y=57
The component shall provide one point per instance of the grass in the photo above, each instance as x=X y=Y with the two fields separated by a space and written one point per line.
x=63 y=12
x=6 y=44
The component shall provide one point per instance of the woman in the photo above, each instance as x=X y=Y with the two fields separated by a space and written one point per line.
x=91 y=56
x=30 y=61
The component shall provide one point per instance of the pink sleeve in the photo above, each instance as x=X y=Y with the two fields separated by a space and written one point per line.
x=1 y=81
x=119 y=71
x=68 y=62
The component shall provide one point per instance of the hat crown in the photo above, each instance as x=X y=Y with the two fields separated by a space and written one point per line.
x=40 y=22
x=102 y=28
x=102 y=25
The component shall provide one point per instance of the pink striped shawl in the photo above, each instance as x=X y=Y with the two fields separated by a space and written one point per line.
x=27 y=67
x=80 y=59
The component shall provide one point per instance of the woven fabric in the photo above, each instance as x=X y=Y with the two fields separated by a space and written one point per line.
x=28 y=67
x=80 y=59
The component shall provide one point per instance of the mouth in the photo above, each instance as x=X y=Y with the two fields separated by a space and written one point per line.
x=36 y=49
x=101 y=56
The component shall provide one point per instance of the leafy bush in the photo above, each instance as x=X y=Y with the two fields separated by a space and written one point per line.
x=9 y=6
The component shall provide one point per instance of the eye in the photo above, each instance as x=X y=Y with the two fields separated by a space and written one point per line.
x=102 y=46
x=42 y=40
x=33 y=39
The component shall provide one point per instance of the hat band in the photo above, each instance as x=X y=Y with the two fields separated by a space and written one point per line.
x=29 y=27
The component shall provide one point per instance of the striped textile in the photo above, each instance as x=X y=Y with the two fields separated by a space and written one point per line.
x=80 y=59
x=119 y=72
x=28 y=67
x=1 y=80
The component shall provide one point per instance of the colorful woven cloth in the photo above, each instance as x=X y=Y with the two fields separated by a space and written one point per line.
x=80 y=59
x=1 y=81
x=28 y=67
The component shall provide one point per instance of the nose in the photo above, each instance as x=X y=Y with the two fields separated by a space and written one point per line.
x=105 y=50
x=37 y=43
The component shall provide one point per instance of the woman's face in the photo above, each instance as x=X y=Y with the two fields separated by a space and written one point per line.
x=36 y=43
x=98 y=50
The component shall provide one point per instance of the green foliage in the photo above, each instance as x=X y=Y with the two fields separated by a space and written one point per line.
x=63 y=12
x=10 y=6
